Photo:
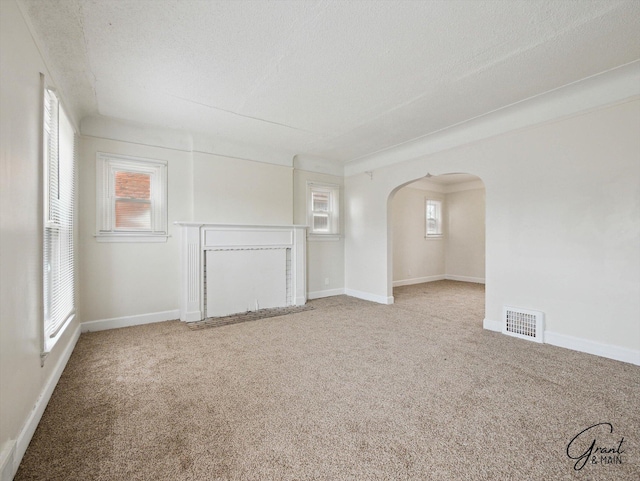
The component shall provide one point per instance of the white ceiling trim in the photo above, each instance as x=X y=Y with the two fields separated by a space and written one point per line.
x=607 y=88
x=332 y=79
x=206 y=144
x=424 y=185
x=604 y=89
x=153 y=136
x=471 y=185
x=429 y=184
x=113 y=129
x=319 y=165
x=367 y=83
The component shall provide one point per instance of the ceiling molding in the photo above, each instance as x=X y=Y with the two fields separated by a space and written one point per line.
x=207 y=144
x=471 y=185
x=266 y=82
x=607 y=88
x=426 y=186
x=594 y=92
x=153 y=136
x=319 y=165
x=125 y=131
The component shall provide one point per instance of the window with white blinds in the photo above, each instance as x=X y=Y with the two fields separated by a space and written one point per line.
x=59 y=219
x=323 y=208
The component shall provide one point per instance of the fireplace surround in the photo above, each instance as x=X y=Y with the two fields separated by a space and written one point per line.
x=227 y=269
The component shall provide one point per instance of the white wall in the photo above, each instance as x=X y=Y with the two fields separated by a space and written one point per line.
x=124 y=280
x=368 y=265
x=416 y=258
x=25 y=385
x=562 y=224
x=458 y=254
x=325 y=258
x=130 y=279
x=236 y=191
x=465 y=234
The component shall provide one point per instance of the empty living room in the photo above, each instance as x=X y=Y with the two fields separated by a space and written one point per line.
x=319 y=240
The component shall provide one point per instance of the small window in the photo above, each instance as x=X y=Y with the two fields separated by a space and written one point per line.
x=323 y=210
x=131 y=199
x=434 y=218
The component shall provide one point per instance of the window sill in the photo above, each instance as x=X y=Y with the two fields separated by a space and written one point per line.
x=434 y=237
x=131 y=237
x=50 y=342
x=323 y=237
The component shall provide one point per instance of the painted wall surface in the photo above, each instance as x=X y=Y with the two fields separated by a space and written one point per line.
x=458 y=254
x=235 y=191
x=366 y=214
x=465 y=234
x=416 y=258
x=562 y=222
x=325 y=258
x=22 y=378
x=127 y=279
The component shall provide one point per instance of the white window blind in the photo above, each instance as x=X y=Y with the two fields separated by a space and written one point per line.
x=59 y=219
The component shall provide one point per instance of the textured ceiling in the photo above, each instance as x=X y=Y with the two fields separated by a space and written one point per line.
x=335 y=79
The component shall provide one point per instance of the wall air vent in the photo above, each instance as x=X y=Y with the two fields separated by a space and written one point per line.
x=523 y=323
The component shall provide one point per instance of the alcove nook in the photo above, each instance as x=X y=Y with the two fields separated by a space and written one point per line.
x=437 y=230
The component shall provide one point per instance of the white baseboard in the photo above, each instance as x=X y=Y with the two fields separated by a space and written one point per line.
x=491 y=325
x=593 y=347
x=117 y=322
x=581 y=345
x=24 y=438
x=7 y=456
x=421 y=280
x=325 y=293
x=417 y=280
x=369 y=297
x=476 y=280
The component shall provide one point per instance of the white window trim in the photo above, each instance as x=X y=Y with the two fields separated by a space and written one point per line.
x=439 y=220
x=334 y=211
x=106 y=166
x=59 y=277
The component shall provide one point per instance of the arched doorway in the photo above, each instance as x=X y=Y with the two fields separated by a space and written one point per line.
x=436 y=231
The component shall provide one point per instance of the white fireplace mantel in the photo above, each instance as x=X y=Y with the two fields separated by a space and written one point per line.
x=229 y=260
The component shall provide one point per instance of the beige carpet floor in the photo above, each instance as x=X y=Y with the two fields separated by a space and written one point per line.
x=350 y=390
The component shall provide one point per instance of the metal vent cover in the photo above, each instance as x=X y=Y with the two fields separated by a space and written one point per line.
x=523 y=323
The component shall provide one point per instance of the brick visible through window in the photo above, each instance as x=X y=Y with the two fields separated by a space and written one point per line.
x=133 y=185
x=132 y=199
